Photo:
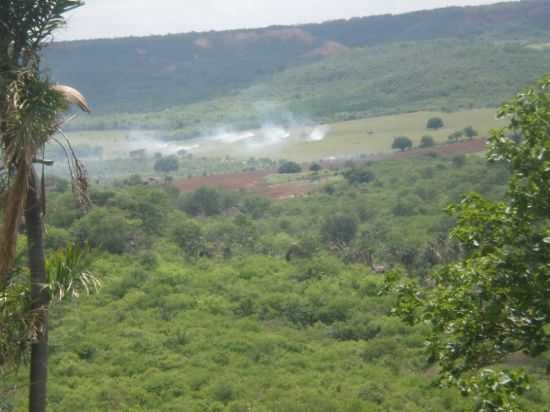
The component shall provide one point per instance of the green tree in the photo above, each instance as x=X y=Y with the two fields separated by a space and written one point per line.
x=401 y=143
x=470 y=132
x=29 y=116
x=339 y=229
x=435 y=123
x=290 y=167
x=456 y=136
x=188 y=235
x=107 y=228
x=495 y=302
x=427 y=141
x=167 y=164
x=315 y=167
x=359 y=175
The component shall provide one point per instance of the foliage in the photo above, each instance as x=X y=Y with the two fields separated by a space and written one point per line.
x=315 y=167
x=107 y=228
x=362 y=174
x=289 y=168
x=67 y=275
x=435 y=123
x=112 y=72
x=470 y=132
x=456 y=136
x=427 y=141
x=401 y=143
x=170 y=329
x=167 y=164
x=494 y=303
x=339 y=229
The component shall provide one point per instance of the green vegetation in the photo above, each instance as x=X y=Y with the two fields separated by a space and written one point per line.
x=167 y=164
x=152 y=74
x=435 y=123
x=229 y=301
x=427 y=141
x=444 y=75
x=493 y=303
x=206 y=307
x=401 y=143
x=290 y=167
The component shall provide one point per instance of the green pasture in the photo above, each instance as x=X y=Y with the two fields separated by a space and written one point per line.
x=368 y=136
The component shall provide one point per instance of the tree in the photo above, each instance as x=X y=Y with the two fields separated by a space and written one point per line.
x=401 y=143
x=29 y=116
x=359 y=175
x=456 y=136
x=315 y=167
x=290 y=167
x=435 y=123
x=494 y=302
x=167 y=164
x=470 y=132
x=188 y=235
x=427 y=141
x=339 y=228
x=203 y=201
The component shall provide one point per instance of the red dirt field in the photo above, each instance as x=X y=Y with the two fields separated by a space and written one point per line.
x=249 y=181
x=448 y=149
x=255 y=181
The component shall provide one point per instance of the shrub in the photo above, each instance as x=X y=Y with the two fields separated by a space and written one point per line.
x=359 y=175
x=290 y=167
x=107 y=228
x=470 y=132
x=401 y=143
x=427 y=141
x=315 y=167
x=339 y=228
x=435 y=123
x=167 y=164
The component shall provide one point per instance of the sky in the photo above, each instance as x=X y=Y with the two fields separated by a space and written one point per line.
x=118 y=18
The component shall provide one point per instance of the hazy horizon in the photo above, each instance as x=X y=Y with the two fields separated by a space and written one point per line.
x=123 y=18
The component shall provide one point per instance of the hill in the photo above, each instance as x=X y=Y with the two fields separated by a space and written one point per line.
x=150 y=74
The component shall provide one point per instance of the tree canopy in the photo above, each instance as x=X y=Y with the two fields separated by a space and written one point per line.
x=494 y=303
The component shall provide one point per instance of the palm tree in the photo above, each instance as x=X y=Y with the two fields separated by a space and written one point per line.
x=30 y=110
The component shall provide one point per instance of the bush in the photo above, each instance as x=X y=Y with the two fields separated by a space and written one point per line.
x=470 y=132
x=359 y=175
x=290 y=167
x=435 y=123
x=167 y=164
x=401 y=143
x=204 y=201
x=339 y=229
x=107 y=228
x=427 y=141
x=188 y=235
x=456 y=136
x=315 y=167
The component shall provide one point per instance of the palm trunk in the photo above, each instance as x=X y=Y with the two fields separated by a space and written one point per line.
x=39 y=297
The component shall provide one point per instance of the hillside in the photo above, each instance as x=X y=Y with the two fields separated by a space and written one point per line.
x=153 y=73
x=242 y=327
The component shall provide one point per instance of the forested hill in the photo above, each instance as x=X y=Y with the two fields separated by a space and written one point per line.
x=152 y=73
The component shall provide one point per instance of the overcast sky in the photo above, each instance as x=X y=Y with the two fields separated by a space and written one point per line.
x=116 y=18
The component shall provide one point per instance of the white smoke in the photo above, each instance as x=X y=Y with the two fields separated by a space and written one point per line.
x=319 y=133
x=152 y=143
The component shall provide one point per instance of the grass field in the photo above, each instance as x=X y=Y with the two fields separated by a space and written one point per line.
x=351 y=138
x=366 y=136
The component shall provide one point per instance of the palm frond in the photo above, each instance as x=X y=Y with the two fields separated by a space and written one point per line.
x=66 y=274
x=72 y=96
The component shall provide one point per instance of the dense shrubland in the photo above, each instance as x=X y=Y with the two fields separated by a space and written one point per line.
x=218 y=300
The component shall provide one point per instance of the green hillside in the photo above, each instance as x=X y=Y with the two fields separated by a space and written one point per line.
x=438 y=75
x=153 y=73
x=242 y=328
